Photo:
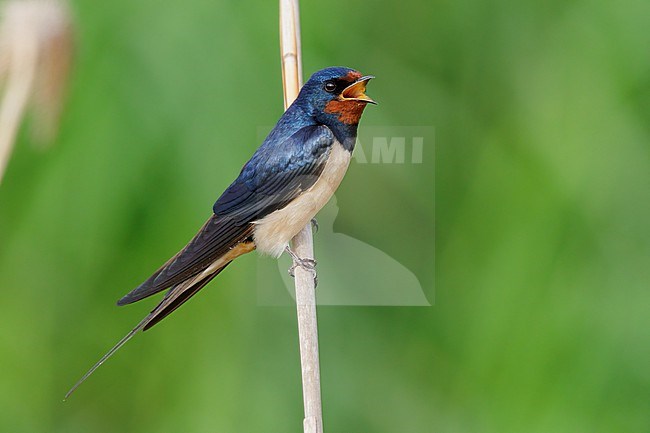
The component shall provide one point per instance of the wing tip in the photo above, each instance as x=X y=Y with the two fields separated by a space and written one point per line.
x=131 y=297
x=144 y=290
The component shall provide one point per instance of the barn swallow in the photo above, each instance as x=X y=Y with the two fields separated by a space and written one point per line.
x=290 y=177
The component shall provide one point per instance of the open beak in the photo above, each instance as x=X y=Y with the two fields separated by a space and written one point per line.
x=357 y=91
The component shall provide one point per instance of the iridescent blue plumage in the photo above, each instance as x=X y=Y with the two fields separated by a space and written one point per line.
x=292 y=154
x=295 y=170
x=287 y=163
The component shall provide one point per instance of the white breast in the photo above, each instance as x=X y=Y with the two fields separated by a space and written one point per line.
x=273 y=232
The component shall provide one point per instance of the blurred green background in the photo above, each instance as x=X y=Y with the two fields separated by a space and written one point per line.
x=542 y=241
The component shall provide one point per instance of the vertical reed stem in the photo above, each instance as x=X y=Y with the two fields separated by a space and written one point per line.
x=303 y=244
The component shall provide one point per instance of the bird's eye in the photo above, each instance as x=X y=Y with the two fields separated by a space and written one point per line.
x=330 y=87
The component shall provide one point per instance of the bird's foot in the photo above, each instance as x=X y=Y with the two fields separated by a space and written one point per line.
x=306 y=263
x=314 y=225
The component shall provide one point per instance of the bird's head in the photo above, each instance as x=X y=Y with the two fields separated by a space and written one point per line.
x=335 y=95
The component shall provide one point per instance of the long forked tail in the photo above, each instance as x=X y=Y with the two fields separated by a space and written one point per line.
x=173 y=299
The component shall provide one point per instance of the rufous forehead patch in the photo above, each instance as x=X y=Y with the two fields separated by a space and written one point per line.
x=352 y=76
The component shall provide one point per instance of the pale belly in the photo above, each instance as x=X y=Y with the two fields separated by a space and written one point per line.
x=273 y=232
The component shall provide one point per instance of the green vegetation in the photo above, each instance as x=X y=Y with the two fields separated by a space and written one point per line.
x=540 y=322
